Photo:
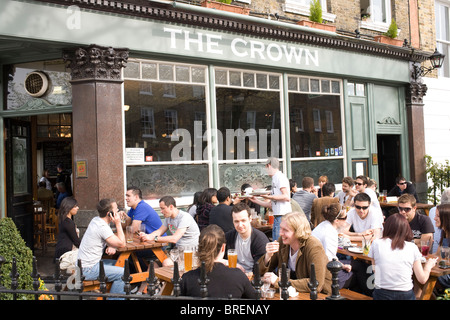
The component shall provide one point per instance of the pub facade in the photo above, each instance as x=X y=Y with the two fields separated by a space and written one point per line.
x=174 y=97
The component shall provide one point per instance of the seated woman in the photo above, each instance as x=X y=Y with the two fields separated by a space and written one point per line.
x=67 y=235
x=223 y=281
x=298 y=249
x=396 y=258
x=327 y=233
x=442 y=220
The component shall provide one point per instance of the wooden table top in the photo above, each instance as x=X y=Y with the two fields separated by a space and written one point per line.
x=138 y=245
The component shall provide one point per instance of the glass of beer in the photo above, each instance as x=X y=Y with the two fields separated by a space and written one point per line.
x=232 y=258
x=129 y=234
x=188 y=252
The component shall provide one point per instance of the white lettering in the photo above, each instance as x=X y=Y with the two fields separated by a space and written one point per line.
x=210 y=43
x=315 y=58
x=234 y=50
x=293 y=52
x=74 y=20
x=173 y=32
x=188 y=40
x=277 y=48
x=257 y=47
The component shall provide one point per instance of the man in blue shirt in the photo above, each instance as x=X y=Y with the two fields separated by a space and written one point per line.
x=141 y=212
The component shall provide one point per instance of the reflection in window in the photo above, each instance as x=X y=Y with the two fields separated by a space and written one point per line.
x=319 y=112
x=249 y=121
x=152 y=119
x=378 y=11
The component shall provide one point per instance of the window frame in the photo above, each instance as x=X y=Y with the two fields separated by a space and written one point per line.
x=293 y=6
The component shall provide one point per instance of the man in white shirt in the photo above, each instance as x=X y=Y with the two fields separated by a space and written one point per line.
x=365 y=220
x=280 y=199
x=361 y=183
x=347 y=193
x=99 y=235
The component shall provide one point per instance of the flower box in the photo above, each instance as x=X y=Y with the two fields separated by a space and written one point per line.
x=388 y=40
x=316 y=25
x=225 y=7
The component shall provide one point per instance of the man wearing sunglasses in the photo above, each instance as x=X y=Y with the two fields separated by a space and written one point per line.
x=364 y=219
x=420 y=224
x=403 y=187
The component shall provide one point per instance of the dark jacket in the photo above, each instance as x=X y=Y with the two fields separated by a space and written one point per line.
x=257 y=246
x=395 y=191
x=221 y=215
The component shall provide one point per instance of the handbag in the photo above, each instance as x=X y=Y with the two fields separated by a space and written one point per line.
x=68 y=260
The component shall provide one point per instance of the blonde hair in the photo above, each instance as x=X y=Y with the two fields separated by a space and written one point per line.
x=298 y=222
x=209 y=245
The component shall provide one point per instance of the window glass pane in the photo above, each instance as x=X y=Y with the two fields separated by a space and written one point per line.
x=182 y=73
x=335 y=87
x=176 y=180
x=360 y=90
x=350 y=88
x=221 y=77
x=198 y=75
x=261 y=81
x=293 y=83
x=166 y=72
x=325 y=86
x=304 y=84
x=152 y=119
x=332 y=168
x=274 y=82
x=233 y=176
x=315 y=86
x=235 y=78
x=149 y=71
x=53 y=119
x=131 y=70
x=243 y=139
x=42 y=119
x=315 y=127
x=249 y=80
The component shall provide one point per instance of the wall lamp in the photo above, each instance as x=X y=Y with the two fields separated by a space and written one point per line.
x=436 y=60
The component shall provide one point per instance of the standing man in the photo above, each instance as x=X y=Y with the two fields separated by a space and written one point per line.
x=140 y=212
x=420 y=224
x=64 y=176
x=402 y=187
x=221 y=214
x=99 y=235
x=250 y=243
x=279 y=198
x=306 y=196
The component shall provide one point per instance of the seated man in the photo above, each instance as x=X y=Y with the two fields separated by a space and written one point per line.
x=364 y=219
x=250 y=243
x=306 y=196
x=98 y=235
x=361 y=183
x=347 y=193
x=402 y=187
x=420 y=224
x=221 y=214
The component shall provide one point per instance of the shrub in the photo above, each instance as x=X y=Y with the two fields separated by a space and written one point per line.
x=393 y=30
x=315 y=11
x=12 y=245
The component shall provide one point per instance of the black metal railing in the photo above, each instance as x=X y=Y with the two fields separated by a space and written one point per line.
x=73 y=286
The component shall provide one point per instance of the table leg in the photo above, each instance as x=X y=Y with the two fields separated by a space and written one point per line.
x=427 y=290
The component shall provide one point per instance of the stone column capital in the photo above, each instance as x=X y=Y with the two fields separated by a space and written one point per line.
x=415 y=92
x=96 y=62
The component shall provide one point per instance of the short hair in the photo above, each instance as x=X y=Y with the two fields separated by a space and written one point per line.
x=299 y=224
x=245 y=186
x=274 y=162
x=371 y=182
x=445 y=198
x=136 y=191
x=307 y=182
x=42 y=184
x=168 y=200
x=328 y=189
x=362 y=197
x=331 y=212
x=223 y=193
x=398 y=179
x=104 y=206
x=292 y=183
x=349 y=181
x=407 y=198
x=363 y=178
x=241 y=206
x=323 y=179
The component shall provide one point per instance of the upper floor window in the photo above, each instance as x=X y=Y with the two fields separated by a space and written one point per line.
x=376 y=14
x=443 y=34
x=302 y=7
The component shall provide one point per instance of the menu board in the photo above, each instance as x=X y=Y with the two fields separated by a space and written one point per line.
x=57 y=152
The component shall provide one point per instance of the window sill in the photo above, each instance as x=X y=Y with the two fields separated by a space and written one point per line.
x=302 y=10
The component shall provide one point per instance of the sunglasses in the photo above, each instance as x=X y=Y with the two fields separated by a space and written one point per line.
x=404 y=209
x=402 y=182
x=359 y=207
x=358 y=183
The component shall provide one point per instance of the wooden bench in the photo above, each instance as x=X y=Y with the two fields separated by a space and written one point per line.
x=353 y=295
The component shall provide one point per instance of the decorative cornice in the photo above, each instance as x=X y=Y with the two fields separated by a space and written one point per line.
x=96 y=62
x=415 y=93
x=166 y=12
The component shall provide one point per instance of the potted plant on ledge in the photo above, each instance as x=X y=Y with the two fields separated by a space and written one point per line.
x=390 y=36
x=315 y=18
x=225 y=5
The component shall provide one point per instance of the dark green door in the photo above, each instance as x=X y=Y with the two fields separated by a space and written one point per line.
x=19 y=192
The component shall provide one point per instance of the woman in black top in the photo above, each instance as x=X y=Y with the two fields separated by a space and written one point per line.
x=223 y=281
x=67 y=235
